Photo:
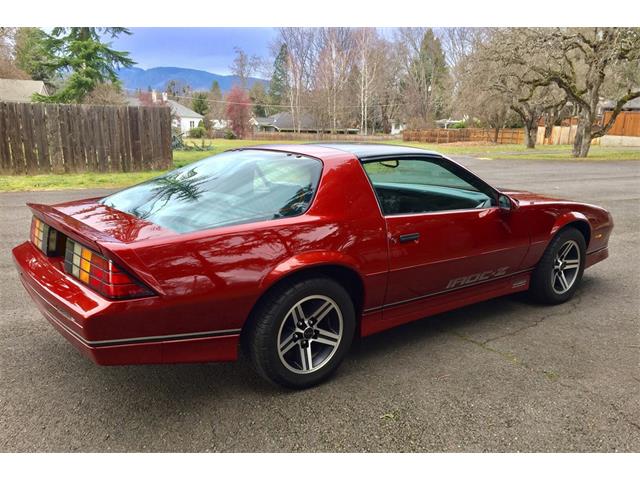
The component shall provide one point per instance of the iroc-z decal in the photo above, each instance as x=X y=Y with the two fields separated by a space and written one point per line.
x=477 y=277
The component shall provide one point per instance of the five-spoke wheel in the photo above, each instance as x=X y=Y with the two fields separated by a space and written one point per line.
x=310 y=334
x=301 y=331
x=565 y=267
x=559 y=271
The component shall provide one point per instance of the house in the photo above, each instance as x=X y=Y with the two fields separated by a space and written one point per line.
x=183 y=118
x=219 y=124
x=397 y=127
x=609 y=105
x=283 y=122
x=12 y=90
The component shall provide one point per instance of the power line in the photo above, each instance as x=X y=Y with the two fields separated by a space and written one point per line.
x=272 y=105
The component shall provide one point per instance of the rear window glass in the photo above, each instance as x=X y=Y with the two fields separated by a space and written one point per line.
x=227 y=189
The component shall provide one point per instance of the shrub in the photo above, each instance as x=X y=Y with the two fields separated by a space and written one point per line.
x=198 y=132
x=461 y=124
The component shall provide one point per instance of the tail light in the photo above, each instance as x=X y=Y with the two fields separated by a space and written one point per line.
x=47 y=239
x=101 y=274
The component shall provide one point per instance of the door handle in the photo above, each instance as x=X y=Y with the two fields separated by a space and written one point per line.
x=409 y=237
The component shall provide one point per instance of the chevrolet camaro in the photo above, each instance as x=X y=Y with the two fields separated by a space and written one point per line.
x=287 y=252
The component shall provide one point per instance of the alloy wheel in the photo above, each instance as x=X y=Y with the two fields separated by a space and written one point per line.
x=310 y=334
x=566 y=266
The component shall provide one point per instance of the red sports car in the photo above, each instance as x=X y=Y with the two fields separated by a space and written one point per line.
x=289 y=251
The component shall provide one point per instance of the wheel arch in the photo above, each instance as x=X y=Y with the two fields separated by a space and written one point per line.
x=343 y=272
x=576 y=220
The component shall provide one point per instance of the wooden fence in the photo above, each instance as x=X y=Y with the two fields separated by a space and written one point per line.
x=627 y=124
x=52 y=138
x=441 y=135
x=317 y=137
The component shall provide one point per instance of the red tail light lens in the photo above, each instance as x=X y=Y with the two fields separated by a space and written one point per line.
x=101 y=274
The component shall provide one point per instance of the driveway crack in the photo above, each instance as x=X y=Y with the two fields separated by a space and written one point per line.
x=573 y=306
x=551 y=376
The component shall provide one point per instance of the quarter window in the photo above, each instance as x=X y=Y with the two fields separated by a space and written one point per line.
x=419 y=186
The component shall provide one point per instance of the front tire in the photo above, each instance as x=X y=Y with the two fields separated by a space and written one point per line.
x=301 y=332
x=559 y=272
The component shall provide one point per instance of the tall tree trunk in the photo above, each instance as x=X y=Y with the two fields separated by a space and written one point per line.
x=548 y=132
x=530 y=133
x=582 y=142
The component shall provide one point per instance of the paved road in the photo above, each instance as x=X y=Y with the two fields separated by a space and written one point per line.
x=504 y=375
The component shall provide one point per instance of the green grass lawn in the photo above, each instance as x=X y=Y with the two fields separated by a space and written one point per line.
x=181 y=158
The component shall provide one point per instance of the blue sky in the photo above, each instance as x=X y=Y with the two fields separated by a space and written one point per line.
x=209 y=49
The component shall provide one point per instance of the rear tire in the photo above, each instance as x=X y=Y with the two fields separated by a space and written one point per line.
x=559 y=271
x=300 y=332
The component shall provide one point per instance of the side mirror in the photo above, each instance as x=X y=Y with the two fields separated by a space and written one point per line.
x=505 y=203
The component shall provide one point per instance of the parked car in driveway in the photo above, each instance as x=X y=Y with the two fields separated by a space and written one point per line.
x=289 y=251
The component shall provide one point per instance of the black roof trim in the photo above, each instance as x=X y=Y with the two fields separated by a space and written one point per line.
x=373 y=150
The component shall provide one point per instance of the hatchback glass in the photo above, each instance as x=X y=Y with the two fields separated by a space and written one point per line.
x=227 y=189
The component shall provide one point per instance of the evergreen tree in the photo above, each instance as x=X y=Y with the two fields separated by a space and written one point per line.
x=215 y=93
x=259 y=97
x=216 y=105
x=429 y=76
x=199 y=103
x=90 y=61
x=278 y=84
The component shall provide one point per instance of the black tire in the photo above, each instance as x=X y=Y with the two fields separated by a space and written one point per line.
x=545 y=286
x=272 y=316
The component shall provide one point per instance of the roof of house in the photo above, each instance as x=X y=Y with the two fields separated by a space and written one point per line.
x=12 y=90
x=630 y=105
x=181 y=111
x=284 y=121
x=177 y=109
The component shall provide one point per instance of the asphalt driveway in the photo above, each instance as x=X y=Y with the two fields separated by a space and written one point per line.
x=503 y=375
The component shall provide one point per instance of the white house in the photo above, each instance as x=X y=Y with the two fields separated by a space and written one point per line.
x=219 y=124
x=397 y=127
x=183 y=117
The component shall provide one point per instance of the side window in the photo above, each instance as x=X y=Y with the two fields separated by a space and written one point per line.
x=421 y=186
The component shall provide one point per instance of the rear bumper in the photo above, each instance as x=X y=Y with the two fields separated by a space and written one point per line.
x=86 y=320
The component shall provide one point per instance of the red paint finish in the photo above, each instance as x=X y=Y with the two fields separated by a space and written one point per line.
x=452 y=245
x=206 y=283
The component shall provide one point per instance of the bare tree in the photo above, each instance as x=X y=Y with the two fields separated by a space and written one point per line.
x=8 y=67
x=301 y=56
x=477 y=97
x=389 y=97
x=106 y=94
x=371 y=55
x=585 y=63
x=529 y=101
x=244 y=66
x=336 y=52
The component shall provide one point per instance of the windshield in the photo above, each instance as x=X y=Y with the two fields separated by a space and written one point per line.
x=227 y=189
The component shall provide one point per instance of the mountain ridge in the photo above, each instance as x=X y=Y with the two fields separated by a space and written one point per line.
x=135 y=78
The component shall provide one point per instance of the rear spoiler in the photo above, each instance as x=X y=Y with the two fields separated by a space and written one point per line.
x=101 y=242
x=71 y=227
